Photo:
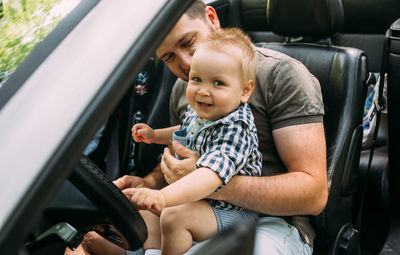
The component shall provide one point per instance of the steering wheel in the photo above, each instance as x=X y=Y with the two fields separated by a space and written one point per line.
x=126 y=227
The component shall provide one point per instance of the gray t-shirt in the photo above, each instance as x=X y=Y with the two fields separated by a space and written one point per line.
x=285 y=94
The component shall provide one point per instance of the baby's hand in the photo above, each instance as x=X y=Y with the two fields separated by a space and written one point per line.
x=142 y=133
x=146 y=199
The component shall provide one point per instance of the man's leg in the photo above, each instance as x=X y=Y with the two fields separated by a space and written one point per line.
x=182 y=224
x=275 y=236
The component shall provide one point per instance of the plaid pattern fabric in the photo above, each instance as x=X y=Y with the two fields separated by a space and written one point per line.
x=228 y=146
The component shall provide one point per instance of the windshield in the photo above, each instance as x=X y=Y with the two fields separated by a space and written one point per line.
x=24 y=23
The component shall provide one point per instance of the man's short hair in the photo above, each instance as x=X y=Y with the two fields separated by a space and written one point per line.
x=197 y=10
x=234 y=41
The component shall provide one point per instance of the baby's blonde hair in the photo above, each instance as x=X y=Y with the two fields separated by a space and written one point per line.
x=234 y=41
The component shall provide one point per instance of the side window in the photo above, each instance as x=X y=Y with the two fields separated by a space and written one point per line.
x=24 y=23
x=1 y=9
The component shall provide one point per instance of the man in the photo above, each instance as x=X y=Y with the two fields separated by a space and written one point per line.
x=288 y=110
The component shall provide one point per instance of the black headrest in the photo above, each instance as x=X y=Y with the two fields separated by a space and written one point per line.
x=314 y=18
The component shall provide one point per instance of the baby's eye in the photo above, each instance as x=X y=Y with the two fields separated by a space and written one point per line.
x=218 y=83
x=196 y=79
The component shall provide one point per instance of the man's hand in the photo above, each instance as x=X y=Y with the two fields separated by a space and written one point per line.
x=143 y=133
x=174 y=169
x=146 y=199
x=129 y=181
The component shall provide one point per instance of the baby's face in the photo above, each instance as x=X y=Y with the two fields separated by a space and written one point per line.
x=216 y=85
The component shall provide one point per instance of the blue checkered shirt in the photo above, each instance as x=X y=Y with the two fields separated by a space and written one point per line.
x=228 y=146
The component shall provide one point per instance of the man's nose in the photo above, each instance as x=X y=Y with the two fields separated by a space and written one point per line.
x=185 y=63
x=185 y=57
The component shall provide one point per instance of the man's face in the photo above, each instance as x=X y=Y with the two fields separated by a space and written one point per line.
x=178 y=47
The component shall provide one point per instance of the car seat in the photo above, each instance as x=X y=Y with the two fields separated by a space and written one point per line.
x=366 y=23
x=342 y=73
x=393 y=65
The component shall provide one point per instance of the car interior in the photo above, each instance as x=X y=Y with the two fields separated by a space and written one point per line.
x=346 y=44
x=341 y=43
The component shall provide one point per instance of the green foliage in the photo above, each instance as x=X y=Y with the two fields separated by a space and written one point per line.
x=23 y=25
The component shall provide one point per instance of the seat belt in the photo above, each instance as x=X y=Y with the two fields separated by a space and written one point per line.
x=112 y=156
x=379 y=105
x=99 y=154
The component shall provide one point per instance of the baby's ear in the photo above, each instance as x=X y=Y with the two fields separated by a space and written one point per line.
x=247 y=91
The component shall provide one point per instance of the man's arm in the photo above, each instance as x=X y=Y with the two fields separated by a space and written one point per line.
x=154 y=180
x=302 y=190
x=174 y=169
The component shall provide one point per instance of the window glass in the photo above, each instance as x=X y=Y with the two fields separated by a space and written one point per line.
x=24 y=23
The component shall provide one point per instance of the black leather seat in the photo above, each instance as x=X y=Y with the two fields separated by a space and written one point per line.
x=365 y=28
x=342 y=73
x=366 y=23
x=393 y=66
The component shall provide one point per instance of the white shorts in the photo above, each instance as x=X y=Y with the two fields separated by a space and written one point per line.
x=274 y=236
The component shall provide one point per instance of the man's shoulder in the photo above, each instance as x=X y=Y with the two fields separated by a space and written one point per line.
x=179 y=89
x=180 y=82
x=271 y=55
x=270 y=63
x=268 y=59
x=180 y=85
